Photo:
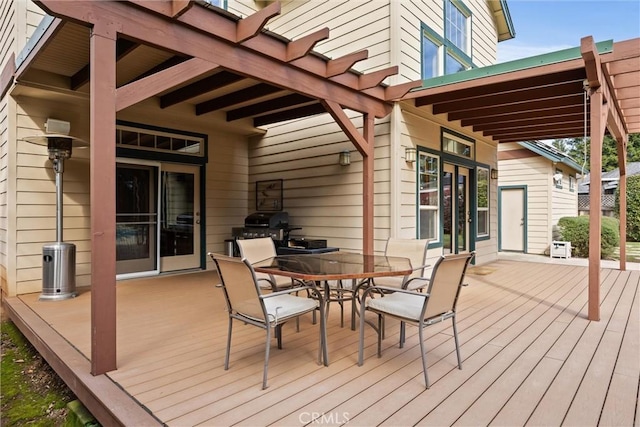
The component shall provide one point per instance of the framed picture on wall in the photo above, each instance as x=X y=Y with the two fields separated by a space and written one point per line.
x=269 y=195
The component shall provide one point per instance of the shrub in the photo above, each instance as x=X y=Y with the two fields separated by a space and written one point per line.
x=633 y=207
x=576 y=231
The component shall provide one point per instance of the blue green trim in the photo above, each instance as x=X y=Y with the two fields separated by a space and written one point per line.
x=451 y=156
x=525 y=197
x=507 y=17
x=511 y=66
x=42 y=28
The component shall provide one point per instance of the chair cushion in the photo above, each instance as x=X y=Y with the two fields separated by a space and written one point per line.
x=278 y=307
x=407 y=306
x=391 y=281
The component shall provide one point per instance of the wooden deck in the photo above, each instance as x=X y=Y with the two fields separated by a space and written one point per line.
x=530 y=356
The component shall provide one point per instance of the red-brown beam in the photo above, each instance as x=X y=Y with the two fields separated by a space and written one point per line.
x=103 y=186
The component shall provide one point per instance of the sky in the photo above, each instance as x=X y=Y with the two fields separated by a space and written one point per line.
x=543 y=26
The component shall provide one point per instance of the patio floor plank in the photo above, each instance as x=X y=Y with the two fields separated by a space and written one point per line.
x=530 y=356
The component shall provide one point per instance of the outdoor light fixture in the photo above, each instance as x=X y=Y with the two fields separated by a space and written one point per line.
x=345 y=158
x=410 y=154
x=59 y=258
x=494 y=173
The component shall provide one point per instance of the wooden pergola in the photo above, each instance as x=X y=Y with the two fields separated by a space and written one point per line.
x=203 y=49
x=579 y=92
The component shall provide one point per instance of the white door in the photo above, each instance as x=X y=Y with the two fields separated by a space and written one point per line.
x=512 y=221
x=179 y=217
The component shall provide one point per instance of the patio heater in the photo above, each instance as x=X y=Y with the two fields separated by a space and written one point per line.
x=58 y=258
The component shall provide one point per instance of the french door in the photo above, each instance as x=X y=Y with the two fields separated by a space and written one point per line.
x=157 y=218
x=456 y=209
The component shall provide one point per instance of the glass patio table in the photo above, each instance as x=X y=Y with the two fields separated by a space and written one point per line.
x=321 y=268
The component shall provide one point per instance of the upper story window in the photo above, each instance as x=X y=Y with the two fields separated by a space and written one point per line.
x=457 y=23
x=451 y=53
x=432 y=52
x=217 y=3
x=572 y=183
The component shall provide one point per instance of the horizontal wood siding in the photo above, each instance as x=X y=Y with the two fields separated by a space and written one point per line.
x=353 y=26
x=225 y=198
x=535 y=173
x=564 y=202
x=321 y=196
x=36 y=193
x=7 y=47
x=419 y=129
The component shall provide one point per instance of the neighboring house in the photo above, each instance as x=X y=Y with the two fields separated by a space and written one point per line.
x=537 y=185
x=609 y=185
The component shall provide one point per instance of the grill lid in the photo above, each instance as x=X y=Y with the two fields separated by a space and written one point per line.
x=268 y=220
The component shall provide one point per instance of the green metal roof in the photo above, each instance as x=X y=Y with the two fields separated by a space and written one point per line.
x=511 y=66
x=551 y=153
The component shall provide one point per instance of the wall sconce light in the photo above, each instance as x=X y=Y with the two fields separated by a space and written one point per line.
x=494 y=173
x=345 y=158
x=410 y=154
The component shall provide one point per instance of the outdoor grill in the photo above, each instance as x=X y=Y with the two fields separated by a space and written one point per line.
x=262 y=224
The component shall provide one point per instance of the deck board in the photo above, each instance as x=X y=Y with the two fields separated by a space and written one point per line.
x=530 y=356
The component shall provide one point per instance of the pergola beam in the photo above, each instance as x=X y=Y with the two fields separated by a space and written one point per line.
x=251 y=26
x=196 y=34
x=343 y=64
x=302 y=46
x=147 y=87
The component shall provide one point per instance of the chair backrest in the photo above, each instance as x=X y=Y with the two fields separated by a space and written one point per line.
x=239 y=283
x=255 y=250
x=414 y=249
x=446 y=279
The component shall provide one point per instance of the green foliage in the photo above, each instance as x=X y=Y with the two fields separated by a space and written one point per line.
x=575 y=148
x=21 y=403
x=633 y=207
x=576 y=231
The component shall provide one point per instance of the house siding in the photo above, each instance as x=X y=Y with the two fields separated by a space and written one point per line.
x=546 y=203
x=19 y=20
x=324 y=198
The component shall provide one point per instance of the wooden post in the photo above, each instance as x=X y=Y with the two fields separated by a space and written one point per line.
x=367 y=185
x=103 y=200
x=595 y=202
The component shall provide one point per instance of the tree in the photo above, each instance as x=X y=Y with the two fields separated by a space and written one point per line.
x=633 y=208
x=575 y=147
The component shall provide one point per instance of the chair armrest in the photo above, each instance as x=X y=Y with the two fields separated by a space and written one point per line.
x=387 y=289
x=424 y=282
x=291 y=291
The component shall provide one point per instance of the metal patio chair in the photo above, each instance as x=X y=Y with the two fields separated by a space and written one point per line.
x=256 y=250
x=422 y=309
x=416 y=251
x=268 y=311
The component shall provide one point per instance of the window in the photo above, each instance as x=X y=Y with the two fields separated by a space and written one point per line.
x=217 y=3
x=457 y=26
x=451 y=53
x=483 y=202
x=458 y=146
x=431 y=53
x=429 y=196
x=572 y=183
x=145 y=139
x=557 y=179
x=457 y=18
